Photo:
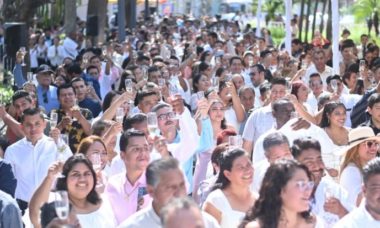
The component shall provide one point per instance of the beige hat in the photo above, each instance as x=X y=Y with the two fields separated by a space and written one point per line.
x=359 y=135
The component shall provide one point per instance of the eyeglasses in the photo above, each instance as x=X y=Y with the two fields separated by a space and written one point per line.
x=45 y=98
x=372 y=143
x=166 y=116
x=305 y=185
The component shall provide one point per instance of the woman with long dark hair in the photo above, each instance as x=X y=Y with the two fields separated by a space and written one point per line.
x=231 y=197
x=79 y=180
x=335 y=133
x=284 y=198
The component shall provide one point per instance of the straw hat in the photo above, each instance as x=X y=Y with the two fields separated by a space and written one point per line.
x=359 y=135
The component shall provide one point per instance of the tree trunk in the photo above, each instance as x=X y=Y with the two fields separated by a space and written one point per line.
x=20 y=10
x=102 y=20
x=70 y=16
x=315 y=14
x=329 y=23
x=321 y=26
x=307 y=21
x=300 y=25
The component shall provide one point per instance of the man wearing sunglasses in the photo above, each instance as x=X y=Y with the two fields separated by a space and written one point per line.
x=329 y=200
x=316 y=87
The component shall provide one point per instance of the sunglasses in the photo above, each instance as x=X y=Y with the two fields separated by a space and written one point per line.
x=369 y=144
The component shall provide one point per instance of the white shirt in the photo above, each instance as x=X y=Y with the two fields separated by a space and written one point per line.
x=260 y=121
x=258 y=176
x=349 y=100
x=189 y=138
x=311 y=69
x=358 y=218
x=30 y=163
x=351 y=179
x=338 y=192
x=147 y=217
x=313 y=101
x=70 y=47
x=56 y=55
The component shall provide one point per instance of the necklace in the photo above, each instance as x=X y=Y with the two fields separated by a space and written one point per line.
x=127 y=195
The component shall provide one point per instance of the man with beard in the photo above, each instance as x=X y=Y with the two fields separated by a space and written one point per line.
x=329 y=201
x=368 y=213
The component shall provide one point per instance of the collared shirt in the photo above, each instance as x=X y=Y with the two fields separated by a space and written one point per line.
x=260 y=121
x=30 y=163
x=47 y=98
x=147 y=217
x=75 y=129
x=358 y=218
x=123 y=196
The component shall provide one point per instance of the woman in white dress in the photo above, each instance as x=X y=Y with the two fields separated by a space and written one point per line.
x=284 y=198
x=334 y=133
x=232 y=197
x=363 y=148
x=79 y=180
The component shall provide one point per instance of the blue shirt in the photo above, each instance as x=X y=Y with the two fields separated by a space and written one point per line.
x=48 y=98
x=92 y=105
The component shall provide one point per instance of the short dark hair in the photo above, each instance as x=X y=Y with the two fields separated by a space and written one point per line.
x=372 y=168
x=274 y=139
x=373 y=99
x=132 y=120
x=278 y=81
x=32 y=112
x=235 y=57
x=302 y=144
x=92 y=67
x=21 y=94
x=126 y=136
x=77 y=79
x=144 y=93
x=64 y=86
x=259 y=67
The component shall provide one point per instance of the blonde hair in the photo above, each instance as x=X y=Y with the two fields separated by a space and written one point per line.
x=352 y=156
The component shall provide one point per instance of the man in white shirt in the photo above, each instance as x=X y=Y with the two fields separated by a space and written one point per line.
x=276 y=146
x=55 y=53
x=182 y=136
x=308 y=152
x=257 y=76
x=261 y=120
x=319 y=66
x=316 y=86
x=165 y=181
x=70 y=45
x=32 y=156
x=368 y=213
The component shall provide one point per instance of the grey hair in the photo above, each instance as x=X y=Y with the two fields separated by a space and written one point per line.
x=176 y=204
x=157 y=167
x=160 y=105
x=274 y=139
x=244 y=88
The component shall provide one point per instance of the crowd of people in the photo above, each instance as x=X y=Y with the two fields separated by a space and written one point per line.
x=191 y=123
